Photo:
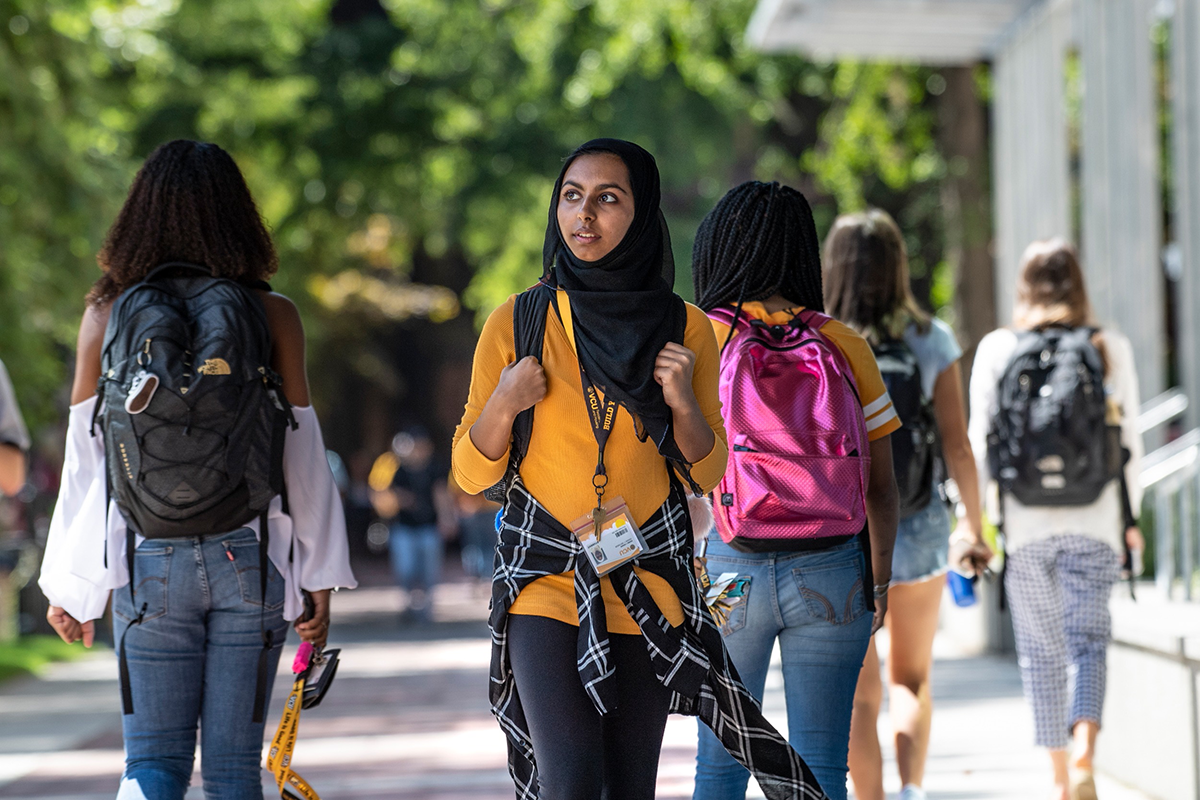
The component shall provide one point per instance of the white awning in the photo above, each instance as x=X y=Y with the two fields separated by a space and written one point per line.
x=928 y=31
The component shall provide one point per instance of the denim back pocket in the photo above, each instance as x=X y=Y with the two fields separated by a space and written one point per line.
x=151 y=569
x=245 y=552
x=833 y=589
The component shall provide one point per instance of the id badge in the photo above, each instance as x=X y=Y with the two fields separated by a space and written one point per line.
x=620 y=540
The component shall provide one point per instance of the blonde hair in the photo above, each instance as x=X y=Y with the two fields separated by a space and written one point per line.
x=1050 y=288
x=1051 y=291
x=866 y=277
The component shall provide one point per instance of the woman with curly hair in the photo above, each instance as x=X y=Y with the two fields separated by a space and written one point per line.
x=202 y=644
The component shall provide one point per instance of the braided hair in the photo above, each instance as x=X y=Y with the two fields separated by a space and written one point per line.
x=758 y=241
x=189 y=203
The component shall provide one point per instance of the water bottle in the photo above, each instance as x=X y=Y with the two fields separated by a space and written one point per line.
x=962 y=588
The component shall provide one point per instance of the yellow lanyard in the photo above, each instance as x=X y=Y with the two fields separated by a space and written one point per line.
x=602 y=412
x=279 y=759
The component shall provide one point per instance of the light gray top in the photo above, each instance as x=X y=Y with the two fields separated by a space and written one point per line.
x=12 y=425
x=936 y=350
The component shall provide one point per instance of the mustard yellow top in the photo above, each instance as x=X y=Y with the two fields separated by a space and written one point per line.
x=558 y=468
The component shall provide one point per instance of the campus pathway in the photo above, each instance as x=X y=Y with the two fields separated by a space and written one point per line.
x=408 y=719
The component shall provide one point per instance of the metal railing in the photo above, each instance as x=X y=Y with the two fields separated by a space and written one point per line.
x=1171 y=478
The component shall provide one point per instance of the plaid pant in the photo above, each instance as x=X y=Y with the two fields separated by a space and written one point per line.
x=1058 y=590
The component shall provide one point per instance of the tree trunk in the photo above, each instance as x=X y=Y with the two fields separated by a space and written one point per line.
x=966 y=202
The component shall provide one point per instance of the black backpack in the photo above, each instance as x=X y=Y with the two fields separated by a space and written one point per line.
x=193 y=415
x=530 y=311
x=1049 y=442
x=916 y=447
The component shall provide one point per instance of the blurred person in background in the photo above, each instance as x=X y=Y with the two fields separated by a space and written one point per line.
x=867 y=287
x=416 y=504
x=14 y=438
x=1067 y=473
x=477 y=532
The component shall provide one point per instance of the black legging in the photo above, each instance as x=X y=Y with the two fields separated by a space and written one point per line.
x=581 y=755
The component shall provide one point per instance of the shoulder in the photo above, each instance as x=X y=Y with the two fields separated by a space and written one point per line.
x=996 y=347
x=846 y=338
x=937 y=344
x=1120 y=349
x=857 y=351
x=940 y=334
x=500 y=322
x=699 y=331
x=93 y=326
x=697 y=319
x=283 y=317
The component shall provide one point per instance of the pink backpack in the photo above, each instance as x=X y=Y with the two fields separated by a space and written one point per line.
x=799 y=457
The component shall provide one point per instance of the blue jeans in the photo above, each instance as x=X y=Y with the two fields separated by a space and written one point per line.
x=813 y=603
x=416 y=554
x=194 y=659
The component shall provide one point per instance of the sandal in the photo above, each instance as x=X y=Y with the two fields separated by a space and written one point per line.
x=1081 y=785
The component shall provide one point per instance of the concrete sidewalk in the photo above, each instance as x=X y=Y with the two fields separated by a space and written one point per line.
x=408 y=718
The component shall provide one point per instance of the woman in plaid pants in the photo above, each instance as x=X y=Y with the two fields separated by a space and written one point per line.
x=1062 y=559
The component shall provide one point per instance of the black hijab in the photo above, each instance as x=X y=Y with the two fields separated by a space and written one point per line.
x=623 y=305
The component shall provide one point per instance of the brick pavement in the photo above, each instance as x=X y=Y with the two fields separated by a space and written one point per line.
x=408 y=719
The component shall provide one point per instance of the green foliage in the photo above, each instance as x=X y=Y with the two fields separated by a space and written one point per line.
x=403 y=160
x=31 y=654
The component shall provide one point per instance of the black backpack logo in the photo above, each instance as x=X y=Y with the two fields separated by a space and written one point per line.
x=916 y=447
x=1049 y=443
x=189 y=403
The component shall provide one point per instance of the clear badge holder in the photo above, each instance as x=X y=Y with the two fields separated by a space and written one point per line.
x=619 y=542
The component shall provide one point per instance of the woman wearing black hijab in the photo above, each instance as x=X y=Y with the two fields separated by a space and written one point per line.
x=585 y=667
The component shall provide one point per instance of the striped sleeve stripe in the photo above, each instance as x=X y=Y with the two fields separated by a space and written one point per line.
x=880 y=420
x=882 y=402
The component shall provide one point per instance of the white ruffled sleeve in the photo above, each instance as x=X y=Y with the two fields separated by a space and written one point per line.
x=77 y=527
x=321 y=554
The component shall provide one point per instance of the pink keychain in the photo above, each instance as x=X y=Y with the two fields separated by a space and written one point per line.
x=303 y=657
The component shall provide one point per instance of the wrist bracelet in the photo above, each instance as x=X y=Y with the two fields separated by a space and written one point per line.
x=881 y=589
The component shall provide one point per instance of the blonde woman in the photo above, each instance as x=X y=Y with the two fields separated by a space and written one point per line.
x=1063 y=557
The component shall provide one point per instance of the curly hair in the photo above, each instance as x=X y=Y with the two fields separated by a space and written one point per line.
x=188 y=203
x=759 y=240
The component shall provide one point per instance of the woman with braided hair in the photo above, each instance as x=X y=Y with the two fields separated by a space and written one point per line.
x=757 y=254
x=587 y=661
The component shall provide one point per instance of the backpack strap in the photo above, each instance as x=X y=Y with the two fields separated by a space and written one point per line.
x=814 y=319
x=177 y=265
x=123 y=662
x=530 y=311
x=268 y=636
x=730 y=317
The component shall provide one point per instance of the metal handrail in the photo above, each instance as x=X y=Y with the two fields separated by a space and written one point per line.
x=1171 y=458
x=1170 y=473
x=1160 y=410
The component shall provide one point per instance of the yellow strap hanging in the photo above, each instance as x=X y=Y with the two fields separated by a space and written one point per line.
x=568 y=320
x=279 y=758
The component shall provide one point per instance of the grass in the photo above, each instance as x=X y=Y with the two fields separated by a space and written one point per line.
x=30 y=654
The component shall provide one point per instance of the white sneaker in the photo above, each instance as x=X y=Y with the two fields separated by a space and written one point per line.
x=912 y=792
